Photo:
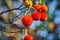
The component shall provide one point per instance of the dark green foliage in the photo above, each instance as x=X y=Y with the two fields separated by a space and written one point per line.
x=50 y=16
x=58 y=7
x=11 y=15
x=3 y=3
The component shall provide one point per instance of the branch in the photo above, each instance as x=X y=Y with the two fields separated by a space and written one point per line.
x=20 y=5
x=2 y=29
x=18 y=15
x=9 y=10
x=12 y=9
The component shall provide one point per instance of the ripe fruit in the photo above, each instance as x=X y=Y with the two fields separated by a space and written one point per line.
x=44 y=16
x=28 y=37
x=27 y=20
x=44 y=8
x=28 y=3
x=37 y=6
x=41 y=7
x=36 y=15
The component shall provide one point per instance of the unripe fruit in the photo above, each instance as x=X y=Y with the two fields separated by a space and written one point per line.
x=28 y=3
x=37 y=6
x=51 y=26
x=28 y=37
x=36 y=15
x=27 y=20
x=44 y=16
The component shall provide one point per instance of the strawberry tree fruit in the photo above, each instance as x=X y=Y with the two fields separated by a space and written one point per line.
x=37 y=6
x=43 y=8
x=36 y=16
x=27 y=20
x=44 y=16
x=28 y=37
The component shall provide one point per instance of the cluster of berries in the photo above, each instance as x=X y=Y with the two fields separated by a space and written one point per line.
x=39 y=14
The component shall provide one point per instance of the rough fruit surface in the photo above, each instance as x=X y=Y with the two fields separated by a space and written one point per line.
x=37 y=6
x=44 y=16
x=44 y=8
x=27 y=20
x=36 y=15
x=28 y=37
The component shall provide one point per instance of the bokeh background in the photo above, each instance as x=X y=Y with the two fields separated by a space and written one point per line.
x=48 y=30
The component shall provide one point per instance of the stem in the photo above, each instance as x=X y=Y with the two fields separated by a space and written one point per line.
x=19 y=14
x=20 y=5
x=9 y=10
x=27 y=11
x=42 y=1
x=34 y=9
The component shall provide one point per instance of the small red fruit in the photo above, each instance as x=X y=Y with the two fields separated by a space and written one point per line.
x=28 y=37
x=44 y=16
x=37 y=6
x=36 y=15
x=27 y=20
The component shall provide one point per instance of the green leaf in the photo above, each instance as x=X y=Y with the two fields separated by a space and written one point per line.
x=42 y=1
x=3 y=3
x=11 y=15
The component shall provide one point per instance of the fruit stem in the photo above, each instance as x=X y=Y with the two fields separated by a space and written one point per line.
x=34 y=9
x=42 y=2
x=27 y=11
x=25 y=31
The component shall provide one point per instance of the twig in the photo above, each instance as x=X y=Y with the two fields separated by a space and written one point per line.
x=18 y=15
x=9 y=10
x=12 y=9
x=20 y=5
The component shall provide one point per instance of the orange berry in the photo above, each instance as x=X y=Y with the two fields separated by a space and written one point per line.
x=37 y=6
x=41 y=7
x=44 y=8
x=27 y=20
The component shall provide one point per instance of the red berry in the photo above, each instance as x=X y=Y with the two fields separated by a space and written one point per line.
x=44 y=16
x=27 y=20
x=28 y=37
x=37 y=6
x=36 y=15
